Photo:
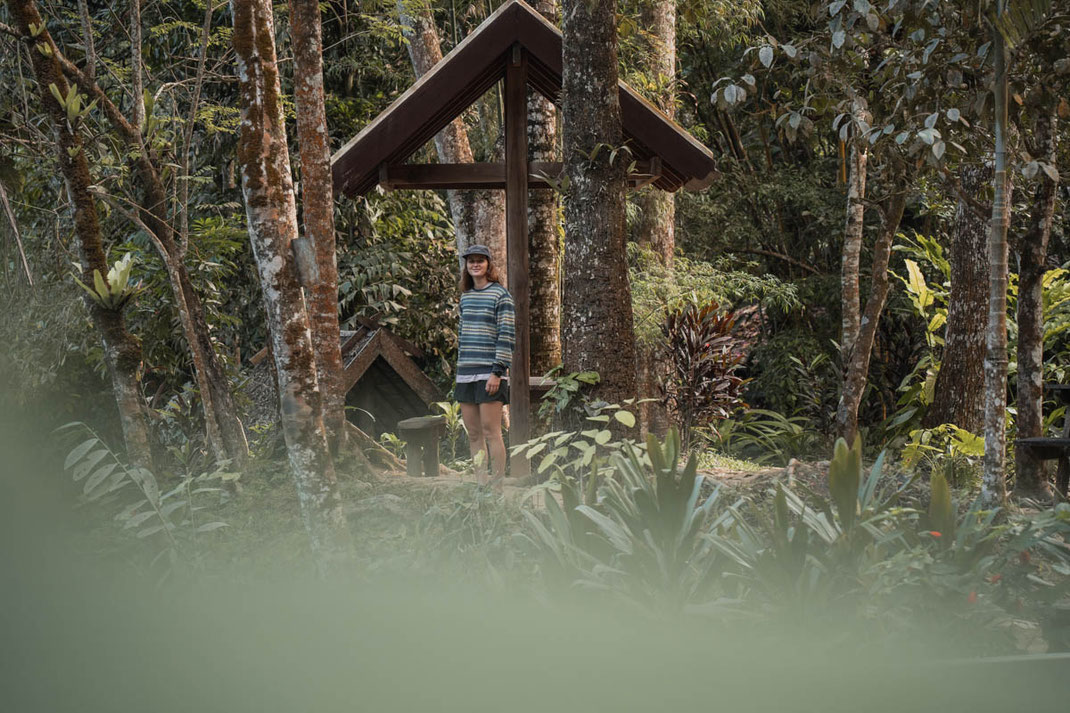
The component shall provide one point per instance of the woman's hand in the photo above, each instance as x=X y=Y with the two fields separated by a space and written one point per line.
x=493 y=383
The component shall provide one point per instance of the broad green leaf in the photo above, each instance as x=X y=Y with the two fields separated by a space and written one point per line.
x=96 y=479
x=88 y=463
x=78 y=451
x=625 y=417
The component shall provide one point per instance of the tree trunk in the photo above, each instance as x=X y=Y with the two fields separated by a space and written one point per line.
x=122 y=351
x=1029 y=473
x=543 y=238
x=271 y=210
x=478 y=216
x=857 y=367
x=958 y=396
x=317 y=193
x=851 y=299
x=657 y=225
x=597 y=331
x=993 y=483
x=137 y=89
x=656 y=207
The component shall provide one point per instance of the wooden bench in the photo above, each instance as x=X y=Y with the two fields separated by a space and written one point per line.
x=421 y=436
x=1054 y=448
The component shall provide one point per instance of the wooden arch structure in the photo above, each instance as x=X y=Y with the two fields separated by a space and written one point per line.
x=517 y=45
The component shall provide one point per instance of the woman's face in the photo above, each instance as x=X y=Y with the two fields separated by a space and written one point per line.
x=477 y=265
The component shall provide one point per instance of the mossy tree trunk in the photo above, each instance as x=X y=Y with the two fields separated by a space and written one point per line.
x=271 y=209
x=596 y=331
x=317 y=200
x=657 y=209
x=958 y=395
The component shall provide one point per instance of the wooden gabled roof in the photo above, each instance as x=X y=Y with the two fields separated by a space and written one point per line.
x=470 y=70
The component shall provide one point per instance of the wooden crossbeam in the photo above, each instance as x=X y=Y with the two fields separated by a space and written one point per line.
x=471 y=176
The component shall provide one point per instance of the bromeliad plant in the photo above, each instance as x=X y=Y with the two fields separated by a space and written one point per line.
x=116 y=291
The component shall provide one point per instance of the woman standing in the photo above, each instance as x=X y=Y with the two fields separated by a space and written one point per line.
x=486 y=349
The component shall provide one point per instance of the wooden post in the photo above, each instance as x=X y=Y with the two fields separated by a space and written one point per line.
x=516 y=232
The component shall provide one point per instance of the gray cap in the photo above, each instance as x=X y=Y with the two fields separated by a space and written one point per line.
x=477 y=250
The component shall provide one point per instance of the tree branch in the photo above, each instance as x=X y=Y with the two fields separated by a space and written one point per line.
x=15 y=232
x=780 y=256
x=90 y=50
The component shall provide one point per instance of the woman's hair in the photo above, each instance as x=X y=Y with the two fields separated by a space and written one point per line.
x=466 y=280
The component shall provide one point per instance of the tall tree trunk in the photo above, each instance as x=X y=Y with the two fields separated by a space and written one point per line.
x=122 y=351
x=137 y=89
x=225 y=434
x=851 y=299
x=1029 y=473
x=543 y=240
x=656 y=207
x=857 y=367
x=993 y=483
x=271 y=210
x=597 y=331
x=657 y=225
x=958 y=396
x=478 y=216
x=317 y=193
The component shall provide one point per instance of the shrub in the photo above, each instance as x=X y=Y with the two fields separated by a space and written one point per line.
x=702 y=385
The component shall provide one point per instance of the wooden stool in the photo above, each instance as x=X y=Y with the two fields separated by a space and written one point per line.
x=1057 y=449
x=421 y=436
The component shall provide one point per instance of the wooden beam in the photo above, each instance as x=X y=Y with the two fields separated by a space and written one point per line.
x=356 y=368
x=461 y=176
x=516 y=239
x=407 y=370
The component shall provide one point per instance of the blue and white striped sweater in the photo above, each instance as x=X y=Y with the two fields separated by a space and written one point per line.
x=487 y=333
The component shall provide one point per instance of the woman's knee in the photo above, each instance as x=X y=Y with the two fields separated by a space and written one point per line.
x=492 y=433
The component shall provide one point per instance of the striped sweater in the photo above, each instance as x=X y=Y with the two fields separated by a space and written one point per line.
x=486 y=334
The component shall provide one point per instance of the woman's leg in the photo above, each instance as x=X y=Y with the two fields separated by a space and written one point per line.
x=490 y=416
x=474 y=426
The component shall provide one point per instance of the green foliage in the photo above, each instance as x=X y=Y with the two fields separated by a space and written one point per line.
x=861 y=553
x=845 y=474
x=953 y=451
x=171 y=517
x=566 y=393
x=927 y=284
x=642 y=537
x=397 y=264
x=454 y=426
x=764 y=436
x=656 y=289
x=581 y=455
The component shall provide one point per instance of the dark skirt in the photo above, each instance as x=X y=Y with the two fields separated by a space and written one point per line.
x=475 y=392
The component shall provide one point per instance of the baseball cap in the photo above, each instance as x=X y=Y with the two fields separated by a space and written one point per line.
x=477 y=250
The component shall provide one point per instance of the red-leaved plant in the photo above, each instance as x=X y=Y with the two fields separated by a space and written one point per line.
x=701 y=385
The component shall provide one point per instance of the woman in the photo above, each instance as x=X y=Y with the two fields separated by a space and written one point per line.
x=486 y=349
